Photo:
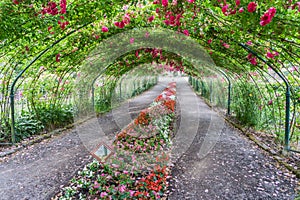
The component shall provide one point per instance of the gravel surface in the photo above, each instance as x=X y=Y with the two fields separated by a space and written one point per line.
x=231 y=168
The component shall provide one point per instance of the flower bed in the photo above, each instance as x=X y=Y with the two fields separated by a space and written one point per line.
x=138 y=169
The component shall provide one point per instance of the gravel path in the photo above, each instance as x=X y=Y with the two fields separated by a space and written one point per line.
x=212 y=160
x=38 y=171
x=220 y=163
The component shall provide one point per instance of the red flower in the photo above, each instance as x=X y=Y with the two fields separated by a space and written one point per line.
x=252 y=7
x=237 y=2
x=267 y=17
x=57 y=58
x=209 y=41
x=150 y=19
x=272 y=11
x=224 y=9
x=252 y=59
x=119 y=24
x=104 y=29
x=241 y=10
x=63 y=6
x=186 y=32
x=164 y=3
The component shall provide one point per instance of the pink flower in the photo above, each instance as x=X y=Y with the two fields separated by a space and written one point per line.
x=126 y=19
x=115 y=165
x=119 y=24
x=249 y=42
x=104 y=29
x=224 y=9
x=186 y=32
x=237 y=2
x=122 y=188
x=267 y=17
x=191 y=1
x=131 y=40
x=131 y=193
x=147 y=34
x=252 y=7
x=209 y=41
x=164 y=3
x=272 y=11
x=241 y=10
x=96 y=185
x=103 y=194
x=150 y=19
x=63 y=6
x=270 y=55
x=226 y=45
x=253 y=61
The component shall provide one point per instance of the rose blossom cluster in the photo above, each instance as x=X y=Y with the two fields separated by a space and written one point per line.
x=268 y=16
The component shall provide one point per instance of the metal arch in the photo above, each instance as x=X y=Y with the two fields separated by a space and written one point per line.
x=229 y=90
x=287 y=97
x=12 y=87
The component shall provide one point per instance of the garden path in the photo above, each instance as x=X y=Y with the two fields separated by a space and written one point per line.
x=38 y=171
x=211 y=159
x=215 y=161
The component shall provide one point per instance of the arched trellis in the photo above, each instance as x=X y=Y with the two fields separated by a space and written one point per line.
x=72 y=32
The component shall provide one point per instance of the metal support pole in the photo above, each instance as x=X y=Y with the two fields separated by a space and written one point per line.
x=93 y=97
x=229 y=92
x=287 y=97
x=210 y=91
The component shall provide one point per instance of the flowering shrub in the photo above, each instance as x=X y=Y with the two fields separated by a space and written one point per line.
x=121 y=177
x=150 y=130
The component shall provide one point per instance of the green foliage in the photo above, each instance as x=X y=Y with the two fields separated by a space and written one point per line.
x=27 y=125
x=54 y=116
x=246 y=104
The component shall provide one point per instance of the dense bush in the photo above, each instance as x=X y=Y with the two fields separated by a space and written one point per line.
x=246 y=102
x=52 y=116
x=27 y=125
